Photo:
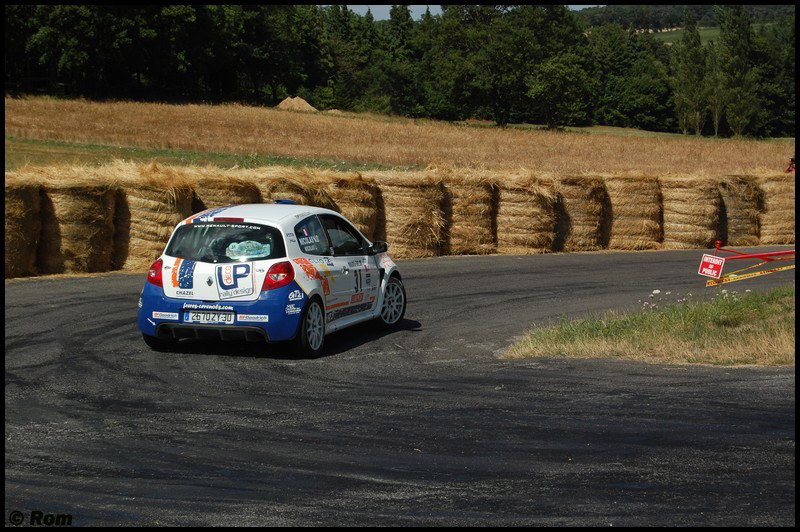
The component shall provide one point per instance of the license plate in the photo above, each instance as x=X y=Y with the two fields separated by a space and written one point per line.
x=204 y=316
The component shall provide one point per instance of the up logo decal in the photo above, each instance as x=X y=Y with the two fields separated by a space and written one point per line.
x=234 y=280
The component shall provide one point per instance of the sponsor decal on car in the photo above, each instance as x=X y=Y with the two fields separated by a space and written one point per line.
x=165 y=315
x=234 y=280
x=355 y=263
x=306 y=240
x=357 y=298
x=291 y=309
x=313 y=274
x=202 y=306
x=253 y=317
x=368 y=279
x=205 y=215
x=296 y=295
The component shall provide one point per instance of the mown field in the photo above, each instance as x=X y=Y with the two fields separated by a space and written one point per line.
x=239 y=132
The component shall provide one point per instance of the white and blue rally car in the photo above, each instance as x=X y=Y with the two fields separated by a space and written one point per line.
x=268 y=272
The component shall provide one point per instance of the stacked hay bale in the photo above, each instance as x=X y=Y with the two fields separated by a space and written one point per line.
x=155 y=200
x=583 y=214
x=635 y=204
x=777 y=218
x=304 y=186
x=356 y=197
x=76 y=210
x=414 y=220
x=470 y=208
x=526 y=216
x=217 y=188
x=22 y=225
x=691 y=211
x=742 y=202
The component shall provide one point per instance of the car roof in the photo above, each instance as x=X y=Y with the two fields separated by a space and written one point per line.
x=274 y=213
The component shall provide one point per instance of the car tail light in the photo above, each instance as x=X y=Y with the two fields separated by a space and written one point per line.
x=278 y=276
x=154 y=273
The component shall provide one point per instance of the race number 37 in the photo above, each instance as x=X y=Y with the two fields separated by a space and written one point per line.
x=711 y=266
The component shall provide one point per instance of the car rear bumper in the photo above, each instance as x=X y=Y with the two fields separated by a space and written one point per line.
x=271 y=318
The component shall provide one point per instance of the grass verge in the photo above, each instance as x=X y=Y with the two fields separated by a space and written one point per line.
x=731 y=329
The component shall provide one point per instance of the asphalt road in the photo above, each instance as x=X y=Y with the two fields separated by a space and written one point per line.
x=423 y=425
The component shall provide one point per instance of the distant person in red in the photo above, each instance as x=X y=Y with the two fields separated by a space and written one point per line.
x=791 y=166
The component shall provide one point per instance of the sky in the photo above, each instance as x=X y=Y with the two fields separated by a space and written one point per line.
x=381 y=12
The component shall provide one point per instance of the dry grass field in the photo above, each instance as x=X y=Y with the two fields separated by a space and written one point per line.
x=370 y=139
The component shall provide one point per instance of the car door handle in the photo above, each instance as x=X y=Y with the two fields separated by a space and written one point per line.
x=346 y=270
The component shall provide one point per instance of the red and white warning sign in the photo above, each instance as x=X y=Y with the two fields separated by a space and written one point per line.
x=711 y=266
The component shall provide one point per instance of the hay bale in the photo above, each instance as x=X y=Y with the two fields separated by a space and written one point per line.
x=635 y=211
x=526 y=215
x=777 y=219
x=742 y=203
x=582 y=214
x=216 y=188
x=413 y=220
x=691 y=211
x=471 y=206
x=356 y=197
x=304 y=186
x=158 y=198
x=296 y=104
x=23 y=226
x=77 y=226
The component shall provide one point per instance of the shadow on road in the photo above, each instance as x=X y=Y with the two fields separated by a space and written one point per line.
x=335 y=343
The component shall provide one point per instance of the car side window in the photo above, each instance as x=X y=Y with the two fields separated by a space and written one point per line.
x=345 y=240
x=311 y=237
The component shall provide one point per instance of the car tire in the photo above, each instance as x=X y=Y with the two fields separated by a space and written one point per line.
x=394 y=304
x=157 y=344
x=310 y=339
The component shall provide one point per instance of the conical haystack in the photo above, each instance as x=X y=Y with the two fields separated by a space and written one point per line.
x=296 y=104
x=691 y=211
x=635 y=204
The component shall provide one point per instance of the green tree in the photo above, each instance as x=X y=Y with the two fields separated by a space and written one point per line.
x=689 y=67
x=559 y=88
x=713 y=85
x=741 y=79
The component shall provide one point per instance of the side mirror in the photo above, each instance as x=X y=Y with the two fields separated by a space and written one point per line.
x=378 y=247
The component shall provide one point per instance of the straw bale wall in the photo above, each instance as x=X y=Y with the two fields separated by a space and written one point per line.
x=635 y=211
x=526 y=214
x=777 y=219
x=691 y=211
x=157 y=199
x=22 y=227
x=470 y=210
x=583 y=210
x=356 y=197
x=413 y=220
x=741 y=205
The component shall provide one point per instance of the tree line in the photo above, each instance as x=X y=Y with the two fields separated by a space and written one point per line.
x=508 y=64
x=662 y=17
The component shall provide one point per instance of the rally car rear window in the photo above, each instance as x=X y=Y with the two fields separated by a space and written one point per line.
x=219 y=242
